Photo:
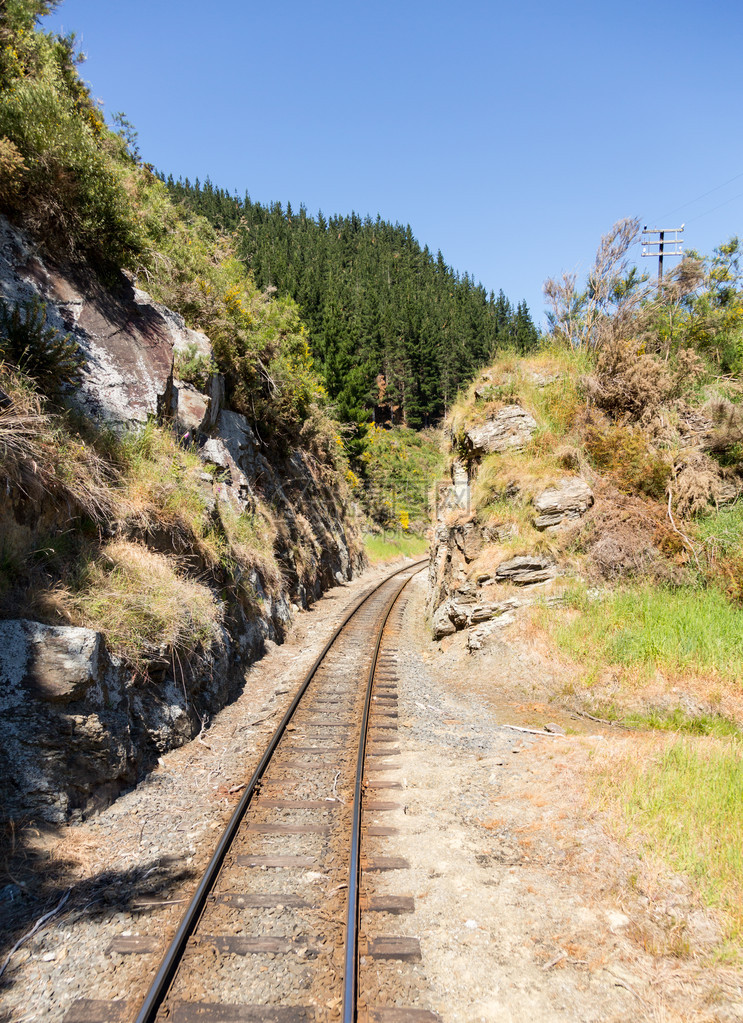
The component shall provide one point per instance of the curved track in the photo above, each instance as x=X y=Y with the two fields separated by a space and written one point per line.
x=290 y=857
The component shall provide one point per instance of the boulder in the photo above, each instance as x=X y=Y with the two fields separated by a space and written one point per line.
x=190 y=408
x=510 y=427
x=442 y=625
x=468 y=539
x=461 y=611
x=566 y=500
x=58 y=664
x=64 y=726
x=526 y=570
x=186 y=341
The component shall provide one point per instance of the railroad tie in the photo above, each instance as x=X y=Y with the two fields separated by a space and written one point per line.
x=236 y=900
x=288 y=829
x=130 y=945
x=407 y=950
x=210 y=1012
x=394 y=904
x=393 y=1014
x=276 y=861
x=297 y=804
x=98 y=1010
x=376 y=863
x=240 y=945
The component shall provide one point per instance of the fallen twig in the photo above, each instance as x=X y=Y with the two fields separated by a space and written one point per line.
x=39 y=923
x=592 y=717
x=151 y=905
x=555 y=961
x=259 y=721
x=534 y=731
x=628 y=987
x=335 y=790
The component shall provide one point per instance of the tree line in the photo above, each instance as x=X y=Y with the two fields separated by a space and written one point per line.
x=375 y=302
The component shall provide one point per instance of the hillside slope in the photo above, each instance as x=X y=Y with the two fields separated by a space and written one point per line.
x=591 y=537
x=174 y=481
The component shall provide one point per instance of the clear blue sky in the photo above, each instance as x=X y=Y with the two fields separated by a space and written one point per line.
x=509 y=135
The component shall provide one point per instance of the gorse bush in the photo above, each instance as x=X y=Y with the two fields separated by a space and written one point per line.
x=624 y=453
x=39 y=351
x=61 y=175
x=401 y=467
x=193 y=367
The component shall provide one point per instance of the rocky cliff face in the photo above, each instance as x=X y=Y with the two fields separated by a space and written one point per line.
x=482 y=568
x=77 y=726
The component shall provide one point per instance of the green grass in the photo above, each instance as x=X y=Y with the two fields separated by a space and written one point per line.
x=686 y=805
x=392 y=546
x=677 y=720
x=721 y=532
x=681 y=632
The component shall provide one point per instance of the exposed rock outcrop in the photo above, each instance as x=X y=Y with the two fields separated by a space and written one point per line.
x=127 y=342
x=510 y=427
x=460 y=596
x=526 y=570
x=76 y=726
x=566 y=500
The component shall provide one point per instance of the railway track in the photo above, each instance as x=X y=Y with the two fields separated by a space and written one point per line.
x=288 y=922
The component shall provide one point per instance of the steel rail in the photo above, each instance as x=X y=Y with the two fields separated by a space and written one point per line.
x=350 y=971
x=166 y=973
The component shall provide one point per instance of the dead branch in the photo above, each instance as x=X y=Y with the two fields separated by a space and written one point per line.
x=39 y=923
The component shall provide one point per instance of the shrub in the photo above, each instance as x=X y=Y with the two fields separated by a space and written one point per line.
x=193 y=367
x=12 y=167
x=401 y=466
x=625 y=454
x=51 y=359
x=66 y=184
x=631 y=385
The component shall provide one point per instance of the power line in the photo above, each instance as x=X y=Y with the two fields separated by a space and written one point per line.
x=703 y=196
x=714 y=208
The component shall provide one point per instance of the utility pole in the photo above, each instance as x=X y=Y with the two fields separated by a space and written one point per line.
x=665 y=245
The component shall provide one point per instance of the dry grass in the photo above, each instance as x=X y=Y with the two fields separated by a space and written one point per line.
x=43 y=460
x=162 y=488
x=140 y=602
x=250 y=542
x=546 y=384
